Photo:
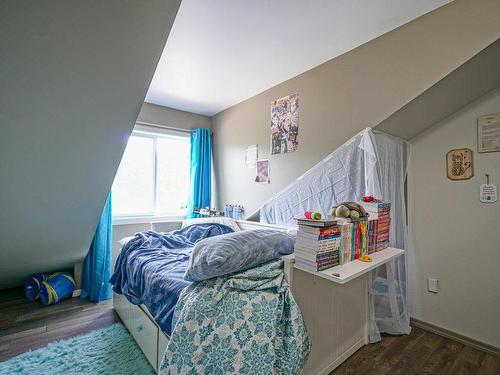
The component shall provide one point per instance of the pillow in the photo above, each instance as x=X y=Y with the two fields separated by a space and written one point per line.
x=235 y=252
x=215 y=219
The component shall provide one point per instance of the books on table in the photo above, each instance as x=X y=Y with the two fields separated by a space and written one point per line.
x=354 y=238
x=380 y=212
x=322 y=244
x=317 y=248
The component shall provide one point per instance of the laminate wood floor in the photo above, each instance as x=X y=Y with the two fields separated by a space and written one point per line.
x=27 y=326
x=421 y=352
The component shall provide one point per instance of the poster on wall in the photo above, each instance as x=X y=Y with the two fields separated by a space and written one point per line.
x=262 y=171
x=488 y=133
x=285 y=124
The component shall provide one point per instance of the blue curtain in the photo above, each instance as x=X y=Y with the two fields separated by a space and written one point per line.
x=97 y=265
x=201 y=170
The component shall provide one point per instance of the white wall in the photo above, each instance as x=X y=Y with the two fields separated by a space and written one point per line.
x=73 y=77
x=160 y=115
x=358 y=89
x=456 y=239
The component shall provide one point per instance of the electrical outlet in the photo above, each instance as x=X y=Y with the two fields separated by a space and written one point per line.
x=433 y=285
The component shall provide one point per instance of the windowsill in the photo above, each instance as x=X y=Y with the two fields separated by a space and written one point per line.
x=124 y=220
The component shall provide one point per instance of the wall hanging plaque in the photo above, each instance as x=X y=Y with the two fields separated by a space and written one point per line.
x=488 y=133
x=459 y=164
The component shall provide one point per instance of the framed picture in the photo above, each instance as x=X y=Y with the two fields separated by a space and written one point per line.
x=488 y=133
x=459 y=164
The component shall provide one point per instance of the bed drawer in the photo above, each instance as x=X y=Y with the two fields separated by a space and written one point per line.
x=145 y=332
x=122 y=308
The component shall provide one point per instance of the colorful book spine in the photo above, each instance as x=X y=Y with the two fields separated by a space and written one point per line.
x=372 y=236
x=318 y=231
x=317 y=249
x=325 y=245
x=346 y=234
x=381 y=212
x=317 y=265
x=329 y=231
x=317 y=257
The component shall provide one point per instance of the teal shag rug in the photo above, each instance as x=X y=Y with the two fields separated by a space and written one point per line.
x=110 y=350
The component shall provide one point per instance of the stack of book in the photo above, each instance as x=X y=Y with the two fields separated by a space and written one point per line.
x=318 y=244
x=354 y=238
x=345 y=242
x=381 y=213
x=326 y=243
x=372 y=236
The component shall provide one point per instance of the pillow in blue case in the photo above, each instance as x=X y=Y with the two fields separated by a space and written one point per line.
x=235 y=252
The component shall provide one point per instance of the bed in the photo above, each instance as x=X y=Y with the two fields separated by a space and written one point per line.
x=150 y=270
x=148 y=313
x=336 y=314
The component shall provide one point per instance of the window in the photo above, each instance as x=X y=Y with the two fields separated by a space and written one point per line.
x=153 y=177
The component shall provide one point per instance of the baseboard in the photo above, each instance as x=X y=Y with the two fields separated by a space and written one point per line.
x=490 y=349
x=343 y=357
x=76 y=293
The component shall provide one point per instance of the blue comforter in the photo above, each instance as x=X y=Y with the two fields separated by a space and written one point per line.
x=151 y=266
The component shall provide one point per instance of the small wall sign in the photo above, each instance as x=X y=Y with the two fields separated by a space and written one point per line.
x=488 y=193
x=459 y=164
x=488 y=133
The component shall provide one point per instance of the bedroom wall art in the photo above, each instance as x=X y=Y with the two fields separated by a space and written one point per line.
x=251 y=156
x=285 y=124
x=262 y=171
x=459 y=164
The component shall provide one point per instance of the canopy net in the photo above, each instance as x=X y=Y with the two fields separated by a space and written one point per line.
x=370 y=163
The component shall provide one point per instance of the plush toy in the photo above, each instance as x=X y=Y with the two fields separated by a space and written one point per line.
x=354 y=214
x=351 y=210
x=341 y=211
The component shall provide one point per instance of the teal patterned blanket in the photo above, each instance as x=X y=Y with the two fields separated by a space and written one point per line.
x=246 y=323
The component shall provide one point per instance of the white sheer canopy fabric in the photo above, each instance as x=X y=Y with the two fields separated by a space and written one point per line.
x=370 y=163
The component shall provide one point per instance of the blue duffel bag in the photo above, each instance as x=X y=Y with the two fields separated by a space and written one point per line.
x=32 y=286
x=57 y=287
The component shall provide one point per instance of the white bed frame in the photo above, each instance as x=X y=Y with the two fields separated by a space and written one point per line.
x=335 y=309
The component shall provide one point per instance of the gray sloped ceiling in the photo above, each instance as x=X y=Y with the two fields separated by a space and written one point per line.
x=73 y=77
x=475 y=78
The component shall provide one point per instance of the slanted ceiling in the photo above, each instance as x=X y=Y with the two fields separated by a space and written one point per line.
x=473 y=79
x=247 y=47
x=73 y=77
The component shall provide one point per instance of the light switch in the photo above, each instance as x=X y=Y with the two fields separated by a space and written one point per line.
x=432 y=285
